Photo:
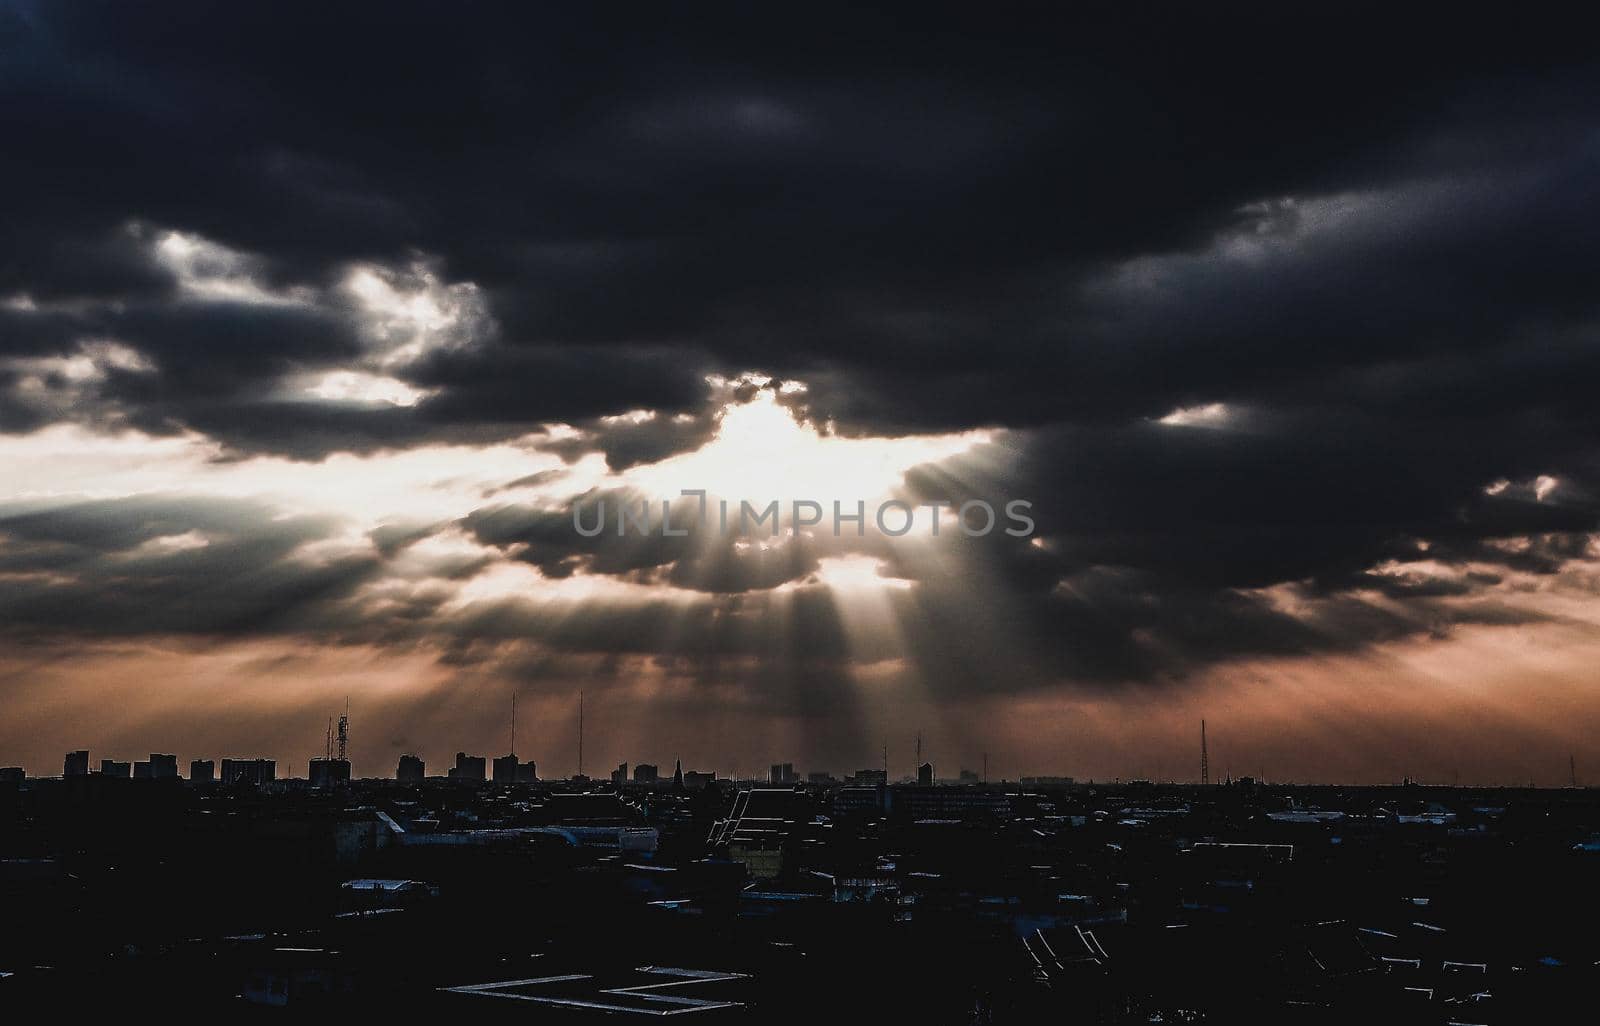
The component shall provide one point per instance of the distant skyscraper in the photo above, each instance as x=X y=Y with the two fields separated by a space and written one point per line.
x=620 y=774
x=202 y=771
x=925 y=774
x=677 y=774
x=412 y=770
x=330 y=772
x=507 y=770
x=249 y=771
x=76 y=764
x=113 y=768
x=644 y=773
x=469 y=767
x=163 y=767
x=782 y=774
x=12 y=775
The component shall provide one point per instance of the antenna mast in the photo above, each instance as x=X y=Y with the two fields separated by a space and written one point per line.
x=580 y=732
x=1205 y=760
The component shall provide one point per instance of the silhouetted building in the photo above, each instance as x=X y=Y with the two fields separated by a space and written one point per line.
x=113 y=768
x=928 y=802
x=677 y=774
x=163 y=767
x=925 y=775
x=249 y=771
x=469 y=767
x=644 y=773
x=620 y=774
x=412 y=769
x=507 y=770
x=782 y=773
x=527 y=772
x=141 y=771
x=202 y=771
x=76 y=764
x=12 y=775
x=694 y=780
x=868 y=778
x=330 y=772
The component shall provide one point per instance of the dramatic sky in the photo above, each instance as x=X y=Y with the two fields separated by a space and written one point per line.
x=316 y=320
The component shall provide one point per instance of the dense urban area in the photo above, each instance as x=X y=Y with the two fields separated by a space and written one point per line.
x=488 y=892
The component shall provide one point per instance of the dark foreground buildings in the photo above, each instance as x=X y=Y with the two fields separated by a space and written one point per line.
x=465 y=899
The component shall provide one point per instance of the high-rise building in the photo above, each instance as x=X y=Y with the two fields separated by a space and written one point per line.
x=469 y=767
x=76 y=764
x=330 y=772
x=644 y=773
x=620 y=774
x=113 y=768
x=925 y=774
x=507 y=770
x=163 y=767
x=12 y=775
x=411 y=770
x=782 y=774
x=249 y=771
x=202 y=771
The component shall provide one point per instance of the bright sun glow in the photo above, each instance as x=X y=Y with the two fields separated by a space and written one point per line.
x=761 y=453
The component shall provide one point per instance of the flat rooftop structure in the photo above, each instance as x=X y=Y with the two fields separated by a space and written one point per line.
x=646 y=991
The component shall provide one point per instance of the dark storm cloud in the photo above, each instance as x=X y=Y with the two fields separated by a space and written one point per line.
x=1371 y=238
x=101 y=567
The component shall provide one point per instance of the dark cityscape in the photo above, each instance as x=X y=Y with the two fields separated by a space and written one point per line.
x=490 y=893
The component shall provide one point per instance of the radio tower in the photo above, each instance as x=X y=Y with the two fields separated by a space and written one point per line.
x=513 y=723
x=1205 y=761
x=580 y=733
x=344 y=732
